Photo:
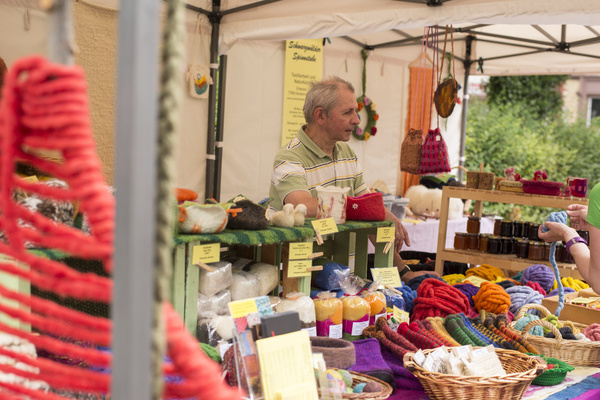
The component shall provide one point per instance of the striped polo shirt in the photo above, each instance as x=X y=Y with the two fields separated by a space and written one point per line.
x=302 y=165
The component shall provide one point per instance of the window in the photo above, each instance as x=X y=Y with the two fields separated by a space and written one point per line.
x=593 y=110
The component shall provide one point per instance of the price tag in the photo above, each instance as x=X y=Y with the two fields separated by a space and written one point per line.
x=299 y=268
x=300 y=250
x=400 y=315
x=475 y=280
x=387 y=276
x=32 y=178
x=206 y=253
x=385 y=234
x=325 y=226
x=241 y=308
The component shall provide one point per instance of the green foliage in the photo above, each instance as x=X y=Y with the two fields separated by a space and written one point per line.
x=501 y=136
x=539 y=95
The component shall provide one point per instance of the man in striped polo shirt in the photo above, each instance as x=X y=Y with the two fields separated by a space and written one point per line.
x=319 y=155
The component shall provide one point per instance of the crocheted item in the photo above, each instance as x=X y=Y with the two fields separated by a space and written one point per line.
x=536 y=286
x=453 y=279
x=492 y=298
x=469 y=290
x=486 y=271
x=539 y=273
x=552 y=376
x=338 y=353
x=435 y=298
x=414 y=283
x=592 y=332
x=419 y=340
x=522 y=295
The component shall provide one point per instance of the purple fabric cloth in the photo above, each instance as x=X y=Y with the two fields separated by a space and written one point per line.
x=369 y=360
x=403 y=378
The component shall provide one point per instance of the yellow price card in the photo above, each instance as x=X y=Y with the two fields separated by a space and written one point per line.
x=475 y=280
x=387 y=276
x=400 y=315
x=206 y=253
x=241 y=308
x=325 y=226
x=299 y=268
x=300 y=250
x=385 y=234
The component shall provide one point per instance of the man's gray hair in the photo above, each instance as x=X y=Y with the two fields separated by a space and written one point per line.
x=324 y=94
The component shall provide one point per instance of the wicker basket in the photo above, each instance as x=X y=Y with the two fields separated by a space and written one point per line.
x=521 y=371
x=574 y=352
x=357 y=378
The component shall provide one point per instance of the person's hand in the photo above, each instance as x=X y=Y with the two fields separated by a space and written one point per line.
x=401 y=234
x=578 y=213
x=413 y=274
x=557 y=232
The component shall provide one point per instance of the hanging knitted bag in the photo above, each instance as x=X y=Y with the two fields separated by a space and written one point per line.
x=410 y=155
x=434 y=154
x=446 y=94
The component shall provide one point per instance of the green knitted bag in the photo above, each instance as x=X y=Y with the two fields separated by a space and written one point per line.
x=553 y=376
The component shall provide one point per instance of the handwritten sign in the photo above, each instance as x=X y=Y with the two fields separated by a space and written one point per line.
x=299 y=268
x=325 y=226
x=206 y=253
x=385 y=234
x=300 y=250
x=400 y=315
x=387 y=276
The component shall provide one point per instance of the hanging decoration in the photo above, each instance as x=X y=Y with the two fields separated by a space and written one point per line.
x=369 y=106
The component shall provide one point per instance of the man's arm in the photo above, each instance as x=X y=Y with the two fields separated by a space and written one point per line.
x=303 y=197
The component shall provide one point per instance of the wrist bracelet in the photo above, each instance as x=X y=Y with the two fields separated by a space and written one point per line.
x=576 y=239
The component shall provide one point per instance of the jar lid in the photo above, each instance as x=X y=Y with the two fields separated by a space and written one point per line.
x=474 y=217
x=461 y=233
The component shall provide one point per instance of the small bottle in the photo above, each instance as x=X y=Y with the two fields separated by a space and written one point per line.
x=507 y=245
x=473 y=224
x=519 y=228
x=497 y=223
x=533 y=232
x=547 y=251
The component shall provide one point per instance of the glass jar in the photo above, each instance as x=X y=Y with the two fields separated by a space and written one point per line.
x=460 y=241
x=522 y=248
x=483 y=241
x=533 y=232
x=506 y=228
x=547 y=251
x=519 y=227
x=473 y=241
x=473 y=224
x=507 y=245
x=584 y=234
x=494 y=245
x=497 y=223
x=560 y=254
x=536 y=250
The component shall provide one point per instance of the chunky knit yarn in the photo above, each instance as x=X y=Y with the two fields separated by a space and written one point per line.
x=415 y=282
x=492 y=298
x=522 y=295
x=592 y=332
x=505 y=284
x=566 y=333
x=576 y=284
x=469 y=290
x=486 y=271
x=524 y=320
x=409 y=296
x=536 y=286
x=452 y=279
x=554 y=292
x=435 y=298
x=539 y=273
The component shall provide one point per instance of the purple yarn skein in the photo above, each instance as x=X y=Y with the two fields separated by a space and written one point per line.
x=469 y=290
x=566 y=290
x=522 y=295
x=539 y=273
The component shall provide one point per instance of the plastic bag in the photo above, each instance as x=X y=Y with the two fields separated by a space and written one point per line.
x=243 y=285
x=377 y=302
x=211 y=283
x=329 y=312
x=356 y=310
x=267 y=275
x=305 y=308
x=331 y=276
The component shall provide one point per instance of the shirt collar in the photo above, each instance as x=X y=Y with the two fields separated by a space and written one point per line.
x=312 y=146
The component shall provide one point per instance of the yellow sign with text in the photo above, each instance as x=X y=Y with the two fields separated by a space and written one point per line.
x=387 y=276
x=303 y=65
x=385 y=234
x=325 y=226
x=299 y=268
x=206 y=253
x=400 y=315
x=300 y=250
x=241 y=308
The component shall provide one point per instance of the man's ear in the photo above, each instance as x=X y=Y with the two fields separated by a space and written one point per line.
x=319 y=115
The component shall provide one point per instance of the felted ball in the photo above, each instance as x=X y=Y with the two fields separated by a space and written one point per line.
x=359 y=387
x=372 y=387
x=346 y=377
x=492 y=298
x=328 y=308
x=334 y=374
x=485 y=271
x=355 y=308
x=539 y=273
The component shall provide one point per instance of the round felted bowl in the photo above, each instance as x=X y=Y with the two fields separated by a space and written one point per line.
x=548 y=188
x=338 y=353
x=553 y=376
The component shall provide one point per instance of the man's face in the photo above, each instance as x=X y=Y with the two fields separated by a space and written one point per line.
x=343 y=117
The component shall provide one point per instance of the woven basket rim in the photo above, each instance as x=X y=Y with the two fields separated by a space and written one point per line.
x=381 y=395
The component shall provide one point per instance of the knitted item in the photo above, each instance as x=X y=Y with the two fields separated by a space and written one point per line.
x=445 y=340
x=435 y=298
x=338 y=353
x=522 y=295
x=211 y=352
x=457 y=330
x=409 y=296
x=419 y=327
x=453 y=279
x=513 y=339
x=536 y=286
x=395 y=343
x=468 y=325
x=524 y=320
x=416 y=338
x=437 y=323
x=469 y=290
x=592 y=332
x=540 y=274
x=499 y=340
x=501 y=323
x=414 y=283
x=486 y=271
x=492 y=298
x=369 y=360
x=381 y=325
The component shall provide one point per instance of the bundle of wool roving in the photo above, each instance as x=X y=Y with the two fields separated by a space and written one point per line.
x=435 y=298
x=522 y=295
x=492 y=298
x=539 y=273
x=469 y=290
x=486 y=271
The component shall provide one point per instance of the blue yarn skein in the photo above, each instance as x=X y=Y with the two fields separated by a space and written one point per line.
x=558 y=216
x=409 y=297
x=522 y=295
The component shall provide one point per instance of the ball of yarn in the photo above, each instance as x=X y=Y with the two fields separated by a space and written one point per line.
x=539 y=273
x=592 y=332
x=435 y=298
x=555 y=291
x=492 y=298
x=536 y=286
x=565 y=332
x=409 y=297
x=557 y=216
x=452 y=279
x=506 y=284
x=521 y=295
x=486 y=271
x=527 y=318
x=469 y=290
x=416 y=281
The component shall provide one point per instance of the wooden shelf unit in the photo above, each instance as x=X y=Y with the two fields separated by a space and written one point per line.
x=502 y=261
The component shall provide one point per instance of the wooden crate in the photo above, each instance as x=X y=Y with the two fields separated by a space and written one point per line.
x=575 y=312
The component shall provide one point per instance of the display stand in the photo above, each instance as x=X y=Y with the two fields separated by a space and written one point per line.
x=352 y=238
x=508 y=262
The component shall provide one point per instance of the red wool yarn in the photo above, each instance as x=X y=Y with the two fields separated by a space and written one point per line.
x=536 y=286
x=592 y=332
x=436 y=298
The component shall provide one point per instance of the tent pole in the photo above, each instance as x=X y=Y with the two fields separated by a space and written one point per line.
x=220 y=119
x=215 y=20
x=463 y=123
